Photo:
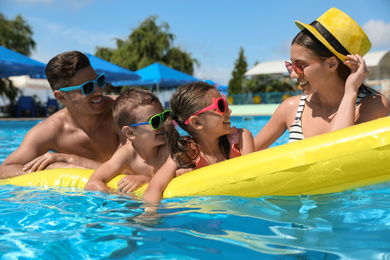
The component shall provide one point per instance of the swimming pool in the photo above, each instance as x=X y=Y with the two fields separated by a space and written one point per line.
x=64 y=223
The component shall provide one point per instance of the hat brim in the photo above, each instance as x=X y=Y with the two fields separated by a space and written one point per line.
x=316 y=34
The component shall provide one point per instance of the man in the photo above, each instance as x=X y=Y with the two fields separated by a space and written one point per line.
x=83 y=134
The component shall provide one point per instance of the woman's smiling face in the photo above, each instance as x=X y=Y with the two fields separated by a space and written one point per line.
x=311 y=67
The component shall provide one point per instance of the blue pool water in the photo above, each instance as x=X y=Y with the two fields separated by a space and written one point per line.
x=64 y=223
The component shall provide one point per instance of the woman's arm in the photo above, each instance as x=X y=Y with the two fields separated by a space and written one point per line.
x=278 y=123
x=346 y=112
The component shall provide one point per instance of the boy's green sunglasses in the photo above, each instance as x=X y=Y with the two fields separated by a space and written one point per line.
x=155 y=121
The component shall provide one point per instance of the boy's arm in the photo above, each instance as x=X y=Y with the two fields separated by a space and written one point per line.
x=108 y=170
x=132 y=182
x=160 y=181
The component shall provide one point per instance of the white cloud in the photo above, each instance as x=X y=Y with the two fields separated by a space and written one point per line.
x=218 y=75
x=55 y=38
x=283 y=50
x=378 y=32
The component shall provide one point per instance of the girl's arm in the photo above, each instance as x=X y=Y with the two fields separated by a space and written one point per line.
x=247 y=144
x=160 y=181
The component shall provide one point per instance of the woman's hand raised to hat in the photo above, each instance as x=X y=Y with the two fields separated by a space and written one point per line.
x=358 y=74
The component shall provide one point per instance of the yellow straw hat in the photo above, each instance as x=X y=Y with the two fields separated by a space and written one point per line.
x=339 y=33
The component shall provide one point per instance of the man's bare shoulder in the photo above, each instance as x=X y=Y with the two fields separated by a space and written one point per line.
x=58 y=120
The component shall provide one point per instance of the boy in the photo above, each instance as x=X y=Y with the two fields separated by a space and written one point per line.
x=139 y=114
x=83 y=134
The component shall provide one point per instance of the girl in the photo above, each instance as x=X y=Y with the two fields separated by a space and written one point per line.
x=200 y=110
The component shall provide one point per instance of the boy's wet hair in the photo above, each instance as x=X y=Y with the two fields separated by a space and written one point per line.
x=60 y=69
x=124 y=106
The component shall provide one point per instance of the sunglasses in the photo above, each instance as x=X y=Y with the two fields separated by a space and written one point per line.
x=299 y=67
x=89 y=86
x=156 y=120
x=220 y=105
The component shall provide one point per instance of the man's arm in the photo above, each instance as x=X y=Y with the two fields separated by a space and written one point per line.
x=59 y=160
x=32 y=154
x=33 y=145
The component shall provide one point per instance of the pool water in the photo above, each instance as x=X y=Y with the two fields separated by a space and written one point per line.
x=65 y=223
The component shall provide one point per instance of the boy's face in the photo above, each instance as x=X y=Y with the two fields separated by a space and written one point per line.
x=145 y=134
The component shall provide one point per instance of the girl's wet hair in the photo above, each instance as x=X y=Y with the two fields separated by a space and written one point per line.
x=186 y=101
x=64 y=66
x=307 y=40
x=124 y=106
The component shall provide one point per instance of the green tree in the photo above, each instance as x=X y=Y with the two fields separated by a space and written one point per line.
x=147 y=44
x=15 y=35
x=237 y=80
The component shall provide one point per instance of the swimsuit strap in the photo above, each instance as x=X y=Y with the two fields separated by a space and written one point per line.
x=295 y=129
x=362 y=94
x=300 y=107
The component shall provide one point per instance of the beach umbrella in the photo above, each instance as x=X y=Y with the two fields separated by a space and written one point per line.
x=114 y=73
x=158 y=75
x=15 y=64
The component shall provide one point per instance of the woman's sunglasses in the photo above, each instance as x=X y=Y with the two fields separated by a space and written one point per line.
x=220 y=105
x=89 y=86
x=156 y=120
x=299 y=67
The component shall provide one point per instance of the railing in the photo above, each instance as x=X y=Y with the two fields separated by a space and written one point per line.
x=261 y=98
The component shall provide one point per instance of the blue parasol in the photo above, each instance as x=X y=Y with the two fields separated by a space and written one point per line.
x=114 y=73
x=15 y=64
x=159 y=75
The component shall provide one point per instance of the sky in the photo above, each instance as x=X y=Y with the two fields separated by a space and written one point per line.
x=211 y=30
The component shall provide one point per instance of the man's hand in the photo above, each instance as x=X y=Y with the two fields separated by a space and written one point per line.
x=41 y=162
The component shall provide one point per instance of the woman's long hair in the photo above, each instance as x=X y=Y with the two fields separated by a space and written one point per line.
x=307 y=40
x=186 y=101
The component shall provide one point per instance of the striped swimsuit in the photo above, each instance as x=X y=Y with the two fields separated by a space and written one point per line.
x=295 y=129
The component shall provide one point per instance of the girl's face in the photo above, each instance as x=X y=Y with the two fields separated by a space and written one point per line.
x=212 y=120
x=307 y=68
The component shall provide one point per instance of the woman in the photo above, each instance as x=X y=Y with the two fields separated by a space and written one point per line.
x=327 y=62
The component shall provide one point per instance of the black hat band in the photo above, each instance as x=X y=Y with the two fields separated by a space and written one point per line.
x=330 y=38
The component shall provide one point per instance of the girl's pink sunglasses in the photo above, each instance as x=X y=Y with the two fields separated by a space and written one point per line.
x=220 y=105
